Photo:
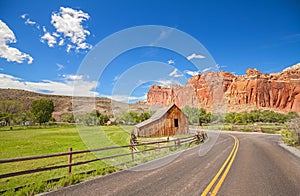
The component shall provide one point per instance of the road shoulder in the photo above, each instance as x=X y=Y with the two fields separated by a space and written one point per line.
x=291 y=149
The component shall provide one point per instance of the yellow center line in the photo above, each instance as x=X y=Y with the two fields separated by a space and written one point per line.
x=229 y=159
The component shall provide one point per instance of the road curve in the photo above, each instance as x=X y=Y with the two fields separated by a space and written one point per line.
x=261 y=167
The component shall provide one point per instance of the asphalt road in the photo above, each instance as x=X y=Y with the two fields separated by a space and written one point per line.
x=261 y=167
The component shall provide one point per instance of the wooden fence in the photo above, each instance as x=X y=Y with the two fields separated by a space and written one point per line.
x=131 y=152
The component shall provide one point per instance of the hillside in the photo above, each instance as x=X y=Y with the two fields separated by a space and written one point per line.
x=68 y=104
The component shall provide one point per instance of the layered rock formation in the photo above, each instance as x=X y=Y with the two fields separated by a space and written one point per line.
x=227 y=92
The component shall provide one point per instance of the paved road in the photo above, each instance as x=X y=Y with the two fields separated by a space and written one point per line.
x=261 y=167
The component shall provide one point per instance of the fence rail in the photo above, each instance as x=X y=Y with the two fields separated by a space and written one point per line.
x=70 y=164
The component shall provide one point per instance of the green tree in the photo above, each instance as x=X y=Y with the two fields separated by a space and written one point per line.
x=68 y=118
x=132 y=117
x=144 y=116
x=9 y=110
x=103 y=119
x=192 y=114
x=292 y=115
x=204 y=117
x=230 y=117
x=42 y=110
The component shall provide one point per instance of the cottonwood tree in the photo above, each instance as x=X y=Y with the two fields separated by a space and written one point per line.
x=9 y=110
x=42 y=110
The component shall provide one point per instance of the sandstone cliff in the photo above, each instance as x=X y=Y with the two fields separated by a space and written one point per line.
x=227 y=92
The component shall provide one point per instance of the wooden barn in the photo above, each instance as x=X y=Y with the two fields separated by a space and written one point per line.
x=166 y=121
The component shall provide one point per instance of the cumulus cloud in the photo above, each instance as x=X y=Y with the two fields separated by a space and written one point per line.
x=195 y=56
x=175 y=73
x=68 y=25
x=9 y=53
x=69 y=29
x=51 y=40
x=83 y=88
x=192 y=73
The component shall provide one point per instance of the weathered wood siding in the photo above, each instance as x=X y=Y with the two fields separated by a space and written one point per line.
x=165 y=126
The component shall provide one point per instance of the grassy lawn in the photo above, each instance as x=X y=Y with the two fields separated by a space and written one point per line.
x=28 y=142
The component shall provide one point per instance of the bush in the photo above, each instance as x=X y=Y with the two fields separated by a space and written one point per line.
x=289 y=137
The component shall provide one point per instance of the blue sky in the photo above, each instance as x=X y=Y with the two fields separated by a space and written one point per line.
x=50 y=46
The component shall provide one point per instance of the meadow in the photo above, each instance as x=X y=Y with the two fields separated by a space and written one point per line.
x=21 y=142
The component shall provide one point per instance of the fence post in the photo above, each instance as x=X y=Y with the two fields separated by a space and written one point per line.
x=70 y=162
x=131 y=149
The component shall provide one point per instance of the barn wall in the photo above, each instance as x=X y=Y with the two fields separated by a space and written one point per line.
x=166 y=126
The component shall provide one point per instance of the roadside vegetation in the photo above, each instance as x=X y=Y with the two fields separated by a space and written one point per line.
x=291 y=134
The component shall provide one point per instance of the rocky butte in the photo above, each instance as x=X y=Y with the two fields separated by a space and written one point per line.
x=223 y=91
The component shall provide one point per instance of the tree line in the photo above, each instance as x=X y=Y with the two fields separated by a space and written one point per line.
x=40 y=111
x=201 y=116
x=13 y=112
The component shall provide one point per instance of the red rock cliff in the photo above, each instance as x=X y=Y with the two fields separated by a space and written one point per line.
x=225 y=91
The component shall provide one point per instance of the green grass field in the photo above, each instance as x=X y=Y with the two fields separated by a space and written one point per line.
x=28 y=142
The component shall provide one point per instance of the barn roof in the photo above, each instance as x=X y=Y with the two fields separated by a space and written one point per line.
x=156 y=116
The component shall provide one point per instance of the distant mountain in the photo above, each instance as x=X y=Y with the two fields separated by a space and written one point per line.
x=223 y=91
x=69 y=104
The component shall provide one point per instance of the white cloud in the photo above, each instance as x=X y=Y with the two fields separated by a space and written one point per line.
x=68 y=25
x=175 y=73
x=206 y=69
x=23 y=16
x=29 y=22
x=69 y=47
x=195 y=56
x=9 y=53
x=55 y=34
x=73 y=77
x=126 y=98
x=61 y=42
x=171 y=62
x=165 y=83
x=44 y=29
x=164 y=34
x=83 y=88
x=47 y=37
x=60 y=66
x=192 y=73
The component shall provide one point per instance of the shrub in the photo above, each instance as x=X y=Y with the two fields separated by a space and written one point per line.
x=289 y=137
